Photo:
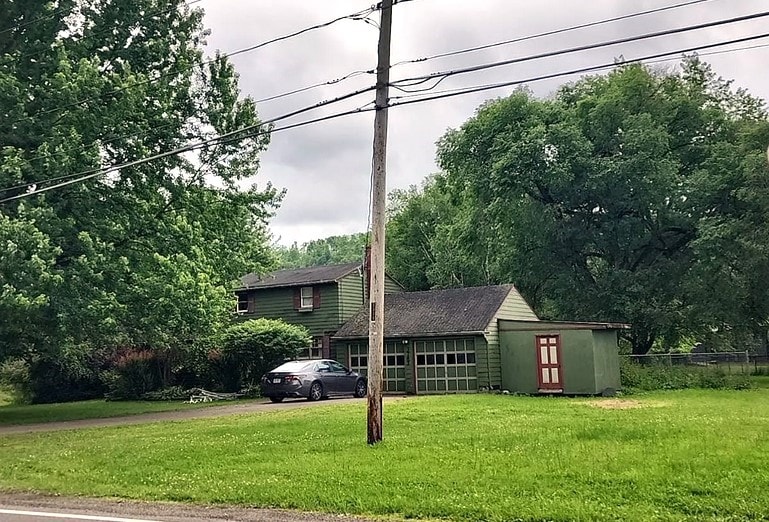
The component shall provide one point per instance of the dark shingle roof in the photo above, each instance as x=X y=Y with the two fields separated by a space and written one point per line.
x=434 y=312
x=299 y=276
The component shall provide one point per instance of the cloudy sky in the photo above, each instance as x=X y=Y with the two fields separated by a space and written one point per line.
x=325 y=167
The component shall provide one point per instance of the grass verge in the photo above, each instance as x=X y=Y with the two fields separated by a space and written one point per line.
x=688 y=455
x=96 y=409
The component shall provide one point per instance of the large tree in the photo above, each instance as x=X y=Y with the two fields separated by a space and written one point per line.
x=144 y=255
x=625 y=197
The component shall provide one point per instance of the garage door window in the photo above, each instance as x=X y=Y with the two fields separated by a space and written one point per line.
x=446 y=365
x=394 y=360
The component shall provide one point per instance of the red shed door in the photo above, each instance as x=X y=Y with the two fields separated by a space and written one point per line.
x=549 y=370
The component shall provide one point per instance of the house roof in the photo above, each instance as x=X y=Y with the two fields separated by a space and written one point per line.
x=519 y=325
x=313 y=275
x=433 y=312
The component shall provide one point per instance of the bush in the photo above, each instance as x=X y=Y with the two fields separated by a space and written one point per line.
x=252 y=348
x=635 y=376
x=172 y=393
x=72 y=375
x=133 y=373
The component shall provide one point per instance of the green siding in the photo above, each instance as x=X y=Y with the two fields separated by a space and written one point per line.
x=589 y=360
x=606 y=360
x=391 y=286
x=514 y=307
x=350 y=296
x=278 y=303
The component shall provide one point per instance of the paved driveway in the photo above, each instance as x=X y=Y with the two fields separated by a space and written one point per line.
x=202 y=413
x=24 y=507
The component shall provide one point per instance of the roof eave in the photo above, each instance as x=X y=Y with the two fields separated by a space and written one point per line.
x=411 y=335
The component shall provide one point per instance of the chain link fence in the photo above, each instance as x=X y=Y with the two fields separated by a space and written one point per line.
x=728 y=362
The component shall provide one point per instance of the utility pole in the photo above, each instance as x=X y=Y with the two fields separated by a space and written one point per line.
x=378 y=202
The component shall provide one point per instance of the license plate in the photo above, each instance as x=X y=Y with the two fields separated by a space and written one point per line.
x=276 y=380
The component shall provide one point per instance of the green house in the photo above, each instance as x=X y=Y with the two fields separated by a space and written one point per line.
x=559 y=357
x=320 y=298
x=438 y=341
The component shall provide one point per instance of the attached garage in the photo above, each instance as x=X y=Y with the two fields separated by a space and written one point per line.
x=438 y=341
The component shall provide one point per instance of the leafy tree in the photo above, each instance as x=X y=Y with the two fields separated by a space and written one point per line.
x=625 y=197
x=326 y=251
x=252 y=348
x=146 y=255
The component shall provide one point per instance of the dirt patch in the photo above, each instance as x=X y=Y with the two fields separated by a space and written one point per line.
x=617 y=404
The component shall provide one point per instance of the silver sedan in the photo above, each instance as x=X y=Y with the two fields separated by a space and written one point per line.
x=313 y=380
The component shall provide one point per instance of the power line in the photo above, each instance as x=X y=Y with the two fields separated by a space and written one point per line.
x=550 y=33
x=87 y=174
x=315 y=86
x=236 y=135
x=417 y=80
x=353 y=16
x=31 y=22
x=583 y=70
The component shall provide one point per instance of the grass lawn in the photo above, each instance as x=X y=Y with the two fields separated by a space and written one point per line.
x=30 y=414
x=685 y=455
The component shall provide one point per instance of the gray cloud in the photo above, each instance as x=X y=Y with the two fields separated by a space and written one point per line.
x=326 y=167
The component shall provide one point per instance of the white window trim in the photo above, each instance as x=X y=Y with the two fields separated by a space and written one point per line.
x=304 y=298
x=238 y=309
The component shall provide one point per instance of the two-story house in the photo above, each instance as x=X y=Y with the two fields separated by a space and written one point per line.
x=321 y=298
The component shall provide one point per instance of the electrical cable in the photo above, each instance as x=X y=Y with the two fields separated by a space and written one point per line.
x=416 y=80
x=236 y=134
x=582 y=70
x=550 y=33
x=353 y=16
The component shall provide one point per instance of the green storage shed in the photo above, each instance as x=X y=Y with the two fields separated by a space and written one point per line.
x=559 y=357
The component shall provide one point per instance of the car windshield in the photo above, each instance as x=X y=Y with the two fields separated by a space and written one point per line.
x=293 y=366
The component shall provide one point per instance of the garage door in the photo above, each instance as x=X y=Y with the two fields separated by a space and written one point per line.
x=394 y=374
x=446 y=366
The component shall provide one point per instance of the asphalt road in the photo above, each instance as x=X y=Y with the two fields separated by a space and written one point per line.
x=39 y=508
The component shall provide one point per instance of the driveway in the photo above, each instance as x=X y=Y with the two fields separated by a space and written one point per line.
x=24 y=507
x=202 y=413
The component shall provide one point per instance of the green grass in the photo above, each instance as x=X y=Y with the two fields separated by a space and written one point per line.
x=689 y=455
x=31 y=414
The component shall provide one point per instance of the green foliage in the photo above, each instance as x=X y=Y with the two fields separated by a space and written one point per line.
x=14 y=377
x=328 y=251
x=688 y=456
x=637 y=197
x=649 y=377
x=145 y=256
x=252 y=348
x=172 y=393
x=133 y=374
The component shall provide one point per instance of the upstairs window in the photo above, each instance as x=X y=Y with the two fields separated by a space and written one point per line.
x=306 y=298
x=242 y=307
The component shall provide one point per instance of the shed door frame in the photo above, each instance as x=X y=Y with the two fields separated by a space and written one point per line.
x=549 y=368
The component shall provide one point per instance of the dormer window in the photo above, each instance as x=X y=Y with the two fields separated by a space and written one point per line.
x=306 y=298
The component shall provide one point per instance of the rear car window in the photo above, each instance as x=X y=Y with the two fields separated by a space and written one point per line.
x=293 y=366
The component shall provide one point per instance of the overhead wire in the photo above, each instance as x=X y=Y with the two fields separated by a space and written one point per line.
x=550 y=32
x=244 y=133
x=581 y=70
x=417 y=80
x=353 y=16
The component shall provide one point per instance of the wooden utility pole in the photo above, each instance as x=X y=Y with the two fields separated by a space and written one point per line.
x=378 y=202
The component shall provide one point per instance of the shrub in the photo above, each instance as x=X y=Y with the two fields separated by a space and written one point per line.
x=133 y=373
x=635 y=376
x=172 y=393
x=252 y=348
x=14 y=375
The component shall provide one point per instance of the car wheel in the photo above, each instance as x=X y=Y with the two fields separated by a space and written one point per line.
x=360 y=388
x=316 y=392
x=276 y=399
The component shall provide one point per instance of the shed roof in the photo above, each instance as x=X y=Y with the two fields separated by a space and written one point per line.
x=519 y=325
x=298 y=276
x=433 y=312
